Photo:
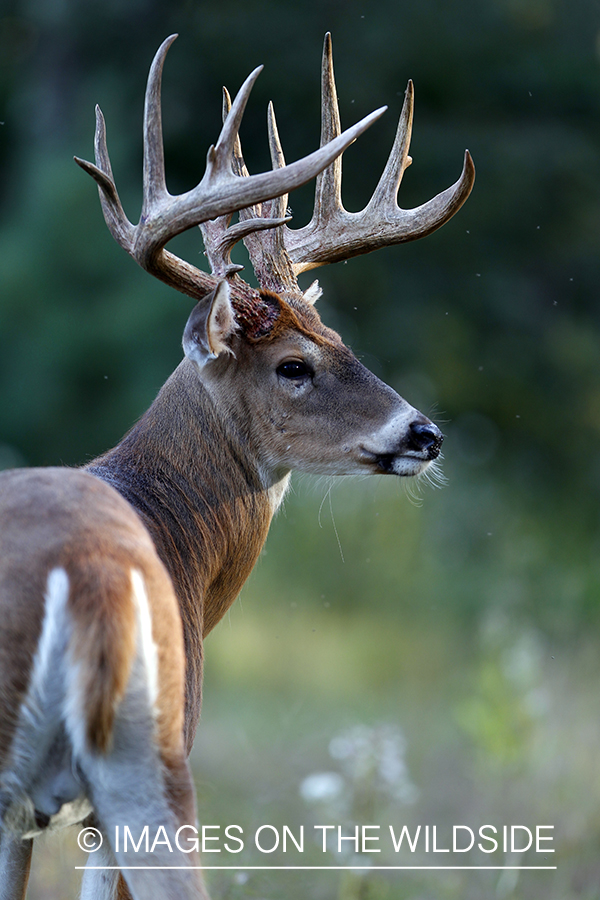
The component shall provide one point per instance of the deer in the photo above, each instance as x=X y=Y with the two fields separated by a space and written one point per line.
x=113 y=574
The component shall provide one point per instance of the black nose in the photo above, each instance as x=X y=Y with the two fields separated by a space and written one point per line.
x=426 y=436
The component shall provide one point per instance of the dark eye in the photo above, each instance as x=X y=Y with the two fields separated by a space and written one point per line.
x=293 y=369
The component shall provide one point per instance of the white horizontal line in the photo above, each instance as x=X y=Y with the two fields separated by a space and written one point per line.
x=327 y=868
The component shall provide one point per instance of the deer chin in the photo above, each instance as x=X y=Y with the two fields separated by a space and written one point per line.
x=405 y=465
x=408 y=466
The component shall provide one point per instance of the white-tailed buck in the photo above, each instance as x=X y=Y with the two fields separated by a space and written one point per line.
x=112 y=575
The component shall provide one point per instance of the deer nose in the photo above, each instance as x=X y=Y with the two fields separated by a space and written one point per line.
x=427 y=437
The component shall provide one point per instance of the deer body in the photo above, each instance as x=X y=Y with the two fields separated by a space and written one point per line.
x=207 y=466
x=112 y=575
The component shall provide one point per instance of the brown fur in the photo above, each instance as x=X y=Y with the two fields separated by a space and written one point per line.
x=293 y=316
x=206 y=512
x=76 y=522
x=104 y=639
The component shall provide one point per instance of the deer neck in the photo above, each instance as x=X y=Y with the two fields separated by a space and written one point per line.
x=201 y=496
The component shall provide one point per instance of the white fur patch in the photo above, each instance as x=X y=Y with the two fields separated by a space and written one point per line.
x=41 y=708
x=146 y=644
x=277 y=492
x=47 y=663
x=53 y=633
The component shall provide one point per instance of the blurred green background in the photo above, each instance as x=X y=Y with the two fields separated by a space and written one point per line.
x=392 y=660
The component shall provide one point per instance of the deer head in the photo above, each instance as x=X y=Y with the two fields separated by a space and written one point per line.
x=295 y=392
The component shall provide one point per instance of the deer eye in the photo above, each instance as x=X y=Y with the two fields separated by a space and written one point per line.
x=293 y=369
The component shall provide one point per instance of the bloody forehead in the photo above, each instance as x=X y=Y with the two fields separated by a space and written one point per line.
x=267 y=314
x=257 y=315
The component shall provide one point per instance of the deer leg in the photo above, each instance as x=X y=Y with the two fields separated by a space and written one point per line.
x=15 y=862
x=140 y=825
x=103 y=884
x=140 y=801
x=100 y=884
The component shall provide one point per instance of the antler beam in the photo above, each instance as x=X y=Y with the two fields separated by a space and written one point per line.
x=219 y=193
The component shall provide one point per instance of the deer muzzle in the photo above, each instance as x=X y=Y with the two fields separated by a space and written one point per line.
x=405 y=449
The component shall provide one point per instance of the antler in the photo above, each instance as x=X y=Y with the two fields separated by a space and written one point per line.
x=219 y=193
x=334 y=234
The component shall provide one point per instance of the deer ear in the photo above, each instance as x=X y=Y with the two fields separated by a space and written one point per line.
x=210 y=327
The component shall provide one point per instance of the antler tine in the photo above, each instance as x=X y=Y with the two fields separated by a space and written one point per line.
x=334 y=234
x=430 y=216
x=278 y=204
x=270 y=261
x=228 y=141
x=219 y=239
x=238 y=164
x=328 y=190
x=398 y=161
x=155 y=188
x=275 y=148
x=118 y=224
